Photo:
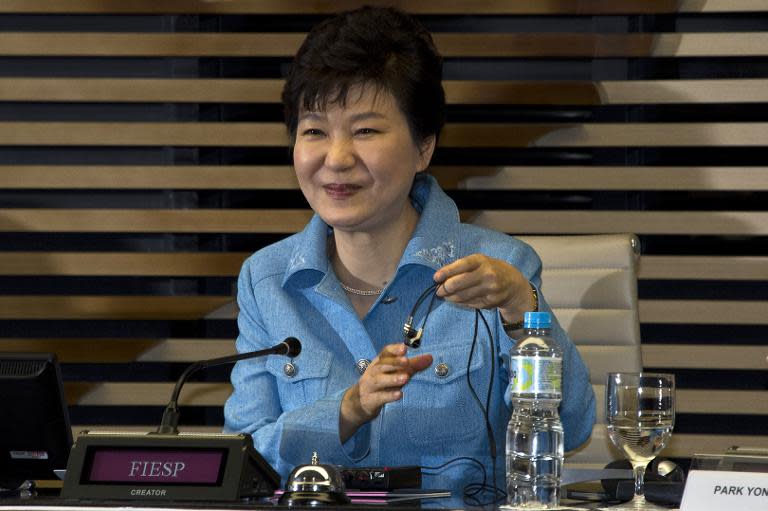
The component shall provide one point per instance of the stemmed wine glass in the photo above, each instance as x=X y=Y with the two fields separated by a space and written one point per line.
x=640 y=414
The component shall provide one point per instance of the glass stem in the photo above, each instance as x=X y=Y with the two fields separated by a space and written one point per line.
x=639 y=470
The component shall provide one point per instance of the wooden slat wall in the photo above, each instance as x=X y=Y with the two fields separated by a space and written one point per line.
x=142 y=159
x=533 y=45
x=474 y=135
x=593 y=7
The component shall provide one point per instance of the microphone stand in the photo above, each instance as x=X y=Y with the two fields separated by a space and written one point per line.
x=170 y=421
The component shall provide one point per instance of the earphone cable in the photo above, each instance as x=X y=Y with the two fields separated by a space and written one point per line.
x=488 y=397
x=429 y=307
x=473 y=489
x=419 y=300
x=413 y=337
x=498 y=493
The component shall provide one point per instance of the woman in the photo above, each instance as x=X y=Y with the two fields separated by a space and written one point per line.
x=364 y=107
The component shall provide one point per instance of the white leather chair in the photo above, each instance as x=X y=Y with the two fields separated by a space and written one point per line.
x=591 y=284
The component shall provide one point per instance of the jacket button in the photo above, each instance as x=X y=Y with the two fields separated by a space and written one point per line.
x=442 y=370
x=290 y=370
x=362 y=365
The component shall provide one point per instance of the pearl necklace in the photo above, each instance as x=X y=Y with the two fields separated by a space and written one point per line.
x=361 y=292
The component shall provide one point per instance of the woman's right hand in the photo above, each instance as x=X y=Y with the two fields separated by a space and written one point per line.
x=380 y=384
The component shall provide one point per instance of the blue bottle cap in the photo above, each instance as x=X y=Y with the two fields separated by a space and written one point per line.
x=537 y=320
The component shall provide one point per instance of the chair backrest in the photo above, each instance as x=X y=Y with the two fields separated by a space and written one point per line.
x=591 y=284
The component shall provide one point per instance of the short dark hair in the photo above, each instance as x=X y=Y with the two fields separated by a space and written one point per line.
x=381 y=47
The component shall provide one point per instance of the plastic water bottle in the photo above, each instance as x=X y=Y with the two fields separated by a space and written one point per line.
x=535 y=433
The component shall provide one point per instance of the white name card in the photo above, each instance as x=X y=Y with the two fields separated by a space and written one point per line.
x=715 y=490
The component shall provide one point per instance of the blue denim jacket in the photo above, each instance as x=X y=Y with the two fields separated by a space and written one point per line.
x=289 y=289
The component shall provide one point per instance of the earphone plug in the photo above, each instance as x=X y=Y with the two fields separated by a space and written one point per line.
x=412 y=336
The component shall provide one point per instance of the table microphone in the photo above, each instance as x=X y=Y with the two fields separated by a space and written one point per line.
x=290 y=347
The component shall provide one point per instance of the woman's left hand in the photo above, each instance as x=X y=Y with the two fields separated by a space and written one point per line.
x=484 y=282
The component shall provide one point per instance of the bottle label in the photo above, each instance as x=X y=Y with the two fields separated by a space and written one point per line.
x=536 y=375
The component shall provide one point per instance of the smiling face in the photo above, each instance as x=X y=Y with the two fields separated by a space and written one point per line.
x=355 y=163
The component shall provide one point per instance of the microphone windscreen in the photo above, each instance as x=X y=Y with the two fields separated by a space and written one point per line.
x=293 y=346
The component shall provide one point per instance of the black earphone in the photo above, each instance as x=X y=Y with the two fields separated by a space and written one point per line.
x=412 y=339
x=664 y=482
x=412 y=335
